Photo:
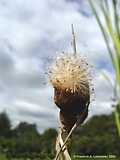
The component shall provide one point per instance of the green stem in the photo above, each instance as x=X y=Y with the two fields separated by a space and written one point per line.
x=116 y=17
x=103 y=32
x=117 y=120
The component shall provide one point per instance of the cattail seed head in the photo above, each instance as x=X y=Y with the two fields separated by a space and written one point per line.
x=70 y=74
x=71 y=79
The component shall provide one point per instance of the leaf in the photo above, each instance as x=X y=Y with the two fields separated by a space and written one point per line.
x=108 y=79
x=117 y=121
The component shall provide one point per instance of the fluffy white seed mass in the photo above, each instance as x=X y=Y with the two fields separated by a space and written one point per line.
x=70 y=73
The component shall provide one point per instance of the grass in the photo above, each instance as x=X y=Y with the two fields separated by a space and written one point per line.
x=111 y=33
x=2 y=157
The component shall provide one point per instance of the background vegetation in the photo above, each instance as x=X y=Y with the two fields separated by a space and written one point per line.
x=97 y=137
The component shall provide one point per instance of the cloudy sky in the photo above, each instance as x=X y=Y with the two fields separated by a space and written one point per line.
x=32 y=33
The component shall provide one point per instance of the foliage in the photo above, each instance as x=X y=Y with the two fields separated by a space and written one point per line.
x=98 y=136
x=5 y=124
x=111 y=34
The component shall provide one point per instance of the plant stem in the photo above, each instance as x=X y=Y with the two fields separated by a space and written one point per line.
x=73 y=40
x=78 y=122
x=70 y=133
x=117 y=120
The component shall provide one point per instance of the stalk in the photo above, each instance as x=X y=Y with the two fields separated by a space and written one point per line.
x=70 y=77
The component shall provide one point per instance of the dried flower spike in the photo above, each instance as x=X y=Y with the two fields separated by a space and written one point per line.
x=70 y=73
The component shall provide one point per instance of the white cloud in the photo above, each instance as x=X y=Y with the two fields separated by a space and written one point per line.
x=103 y=94
x=31 y=34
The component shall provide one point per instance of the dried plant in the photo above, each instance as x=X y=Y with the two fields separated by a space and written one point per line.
x=71 y=80
x=70 y=73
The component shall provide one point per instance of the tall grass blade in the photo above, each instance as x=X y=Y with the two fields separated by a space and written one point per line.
x=111 y=31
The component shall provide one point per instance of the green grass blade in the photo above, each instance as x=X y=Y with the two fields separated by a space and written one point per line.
x=117 y=120
x=114 y=2
x=103 y=32
x=108 y=79
x=115 y=40
x=114 y=35
x=112 y=32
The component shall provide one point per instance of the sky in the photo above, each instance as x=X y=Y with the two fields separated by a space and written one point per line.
x=32 y=34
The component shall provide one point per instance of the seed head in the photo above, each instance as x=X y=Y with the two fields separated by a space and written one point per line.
x=70 y=73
